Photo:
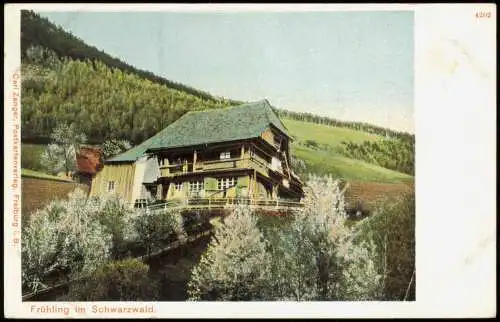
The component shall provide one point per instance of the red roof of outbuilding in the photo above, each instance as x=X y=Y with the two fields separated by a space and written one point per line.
x=89 y=160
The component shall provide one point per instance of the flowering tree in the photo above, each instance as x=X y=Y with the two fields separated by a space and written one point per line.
x=39 y=247
x=86 y=243
x=361 y=279
x=234 y=265
x=292 y=272
x=319 y=261
x=113 y=147
x=313 y=258
x=117 y=219
x=61 y=153
x=75 y=235
x=151 y=228
x=64 y=235
x=41 y=56
x=298 y=165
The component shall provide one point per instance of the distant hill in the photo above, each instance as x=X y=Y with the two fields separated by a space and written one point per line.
x=360 y=126
x=350 y=153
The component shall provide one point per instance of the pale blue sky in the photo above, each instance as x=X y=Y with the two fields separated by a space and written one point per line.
x=349 y=65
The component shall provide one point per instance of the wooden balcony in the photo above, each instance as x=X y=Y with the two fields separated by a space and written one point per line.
x=180 y=169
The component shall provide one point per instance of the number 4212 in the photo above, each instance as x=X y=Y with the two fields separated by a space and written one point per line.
x=483 y=14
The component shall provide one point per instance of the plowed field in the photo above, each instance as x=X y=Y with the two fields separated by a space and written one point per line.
x=36 y=193
x=372 y=193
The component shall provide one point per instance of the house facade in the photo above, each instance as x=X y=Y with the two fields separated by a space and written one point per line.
x=241 y=151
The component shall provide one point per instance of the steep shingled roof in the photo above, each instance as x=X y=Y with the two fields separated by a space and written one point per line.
x=240 y=122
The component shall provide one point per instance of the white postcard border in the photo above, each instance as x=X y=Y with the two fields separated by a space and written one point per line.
x=455 y=112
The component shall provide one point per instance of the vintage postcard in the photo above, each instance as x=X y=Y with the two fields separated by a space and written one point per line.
x=244 y=160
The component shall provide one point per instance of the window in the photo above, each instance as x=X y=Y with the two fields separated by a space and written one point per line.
x=178 y=186
x=196 y=189
x=140 y=203
x=111 y=186
x=224 y=183
x=195 y=186
x=225 y=155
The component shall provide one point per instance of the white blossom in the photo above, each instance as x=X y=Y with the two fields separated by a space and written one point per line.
x=151 y=228
x=63 y=235
x=39 y=247
x=54 y=158
x=61 y=153
x=113 y=147
x=235 y=262
x=360 y=280
x=311 y=259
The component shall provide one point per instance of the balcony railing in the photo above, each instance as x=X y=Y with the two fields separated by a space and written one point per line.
x=230 y=202
x=173 y=170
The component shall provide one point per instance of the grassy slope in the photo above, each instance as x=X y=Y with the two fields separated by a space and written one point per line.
x=30 y=156
x=27 y=173
x=325 y=160
x=324 y=134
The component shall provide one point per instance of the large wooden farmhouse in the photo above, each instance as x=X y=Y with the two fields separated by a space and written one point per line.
x=234 y=152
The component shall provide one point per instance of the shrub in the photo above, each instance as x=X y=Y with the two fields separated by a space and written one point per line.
x=74 y=235
x=30 y=156
x=124 y=280
x=152 y=228
x=77 y=234
x=196 y=221
x=392 y=228
x=38 y=249
x=117 y=219
x=311 y=143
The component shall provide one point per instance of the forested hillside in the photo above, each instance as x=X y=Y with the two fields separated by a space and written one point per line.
x=103 y=102
x=394 y=154
x=38 y=31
